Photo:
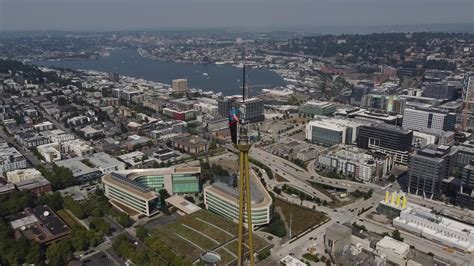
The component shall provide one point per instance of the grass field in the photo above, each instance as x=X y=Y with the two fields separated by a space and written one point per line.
x=226 y=257
x=67 y=218
x=191 y=235
x=302 y=218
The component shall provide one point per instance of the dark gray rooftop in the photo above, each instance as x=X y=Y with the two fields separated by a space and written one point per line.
x=255 y=193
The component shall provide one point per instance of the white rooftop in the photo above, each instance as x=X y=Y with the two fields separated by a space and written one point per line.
x=397 y=247
x=182 y=204
x=25 y=221
x=102 y=159
x=291 y=261
x=318 y=103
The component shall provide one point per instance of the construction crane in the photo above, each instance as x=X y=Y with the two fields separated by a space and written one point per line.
x=245 y=203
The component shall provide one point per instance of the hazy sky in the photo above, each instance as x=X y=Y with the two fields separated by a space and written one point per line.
x=148 y=14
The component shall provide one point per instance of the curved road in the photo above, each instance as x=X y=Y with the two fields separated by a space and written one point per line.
x=294 y=172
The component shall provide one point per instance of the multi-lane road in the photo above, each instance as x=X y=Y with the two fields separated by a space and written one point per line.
x=349 y=213
x=294 y=172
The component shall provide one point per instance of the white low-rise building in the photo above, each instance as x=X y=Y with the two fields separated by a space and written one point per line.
x=135 y=159
x=46 y=125
x=51 y=152
x=90 y=132
x=58 y=136
x=420 y=139
x=397 y=252
x=307 y=154
x=78 y=147
x=451 y=233
x=106 y=163
x=11 y=159
x=16 y=176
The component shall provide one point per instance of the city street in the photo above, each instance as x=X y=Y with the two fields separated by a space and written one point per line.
x=280 y=165
x=28 y=154
x=314 y=239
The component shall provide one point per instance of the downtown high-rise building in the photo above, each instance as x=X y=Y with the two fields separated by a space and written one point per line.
x=427 y=169
x=180 y=85
x=420 y=119
x=439 y=90
x=387 y=139
x=468 y=103
x=254 y=108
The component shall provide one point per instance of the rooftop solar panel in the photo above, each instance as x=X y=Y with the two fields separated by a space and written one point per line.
x=126 y=181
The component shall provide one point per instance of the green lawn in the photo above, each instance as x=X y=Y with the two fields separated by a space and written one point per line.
x=170 y=235
x=226 y=257
x=233 y=246
x=204 y=228
x=302 y=218
x=67 y=218
x=177 y=244
x=198 y=239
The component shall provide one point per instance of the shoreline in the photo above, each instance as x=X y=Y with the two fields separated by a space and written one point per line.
x=82 y=64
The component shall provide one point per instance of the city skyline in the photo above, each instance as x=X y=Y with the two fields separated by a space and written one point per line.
x=119 y=122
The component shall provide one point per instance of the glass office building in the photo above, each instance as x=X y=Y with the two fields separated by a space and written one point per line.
x=136 y=191
x=222 y=199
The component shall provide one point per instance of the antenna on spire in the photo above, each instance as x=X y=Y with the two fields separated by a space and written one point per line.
x=243 y=86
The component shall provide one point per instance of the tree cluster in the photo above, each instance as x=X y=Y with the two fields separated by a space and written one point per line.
x=210 y=172
x=60 y=176
x=276 y=226
x=156 y=243
x=80 y=239
x=13 y=252
x=16 y=202
x=96 y=206
x=359 y=194
x=31 y=73
x=126 y=249
x=264 y=167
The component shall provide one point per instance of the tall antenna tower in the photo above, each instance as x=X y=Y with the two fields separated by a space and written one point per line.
x=245 y=203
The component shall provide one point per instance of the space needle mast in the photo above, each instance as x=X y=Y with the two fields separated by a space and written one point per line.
x=245 y=203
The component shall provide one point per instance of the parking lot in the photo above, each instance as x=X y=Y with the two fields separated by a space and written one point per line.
x=78 y=193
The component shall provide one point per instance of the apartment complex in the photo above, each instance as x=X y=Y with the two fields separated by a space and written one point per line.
x=357 y=163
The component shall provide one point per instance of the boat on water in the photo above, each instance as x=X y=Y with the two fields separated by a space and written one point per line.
x=205 y=74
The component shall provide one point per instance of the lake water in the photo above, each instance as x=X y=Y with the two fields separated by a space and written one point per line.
x=219 y=78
